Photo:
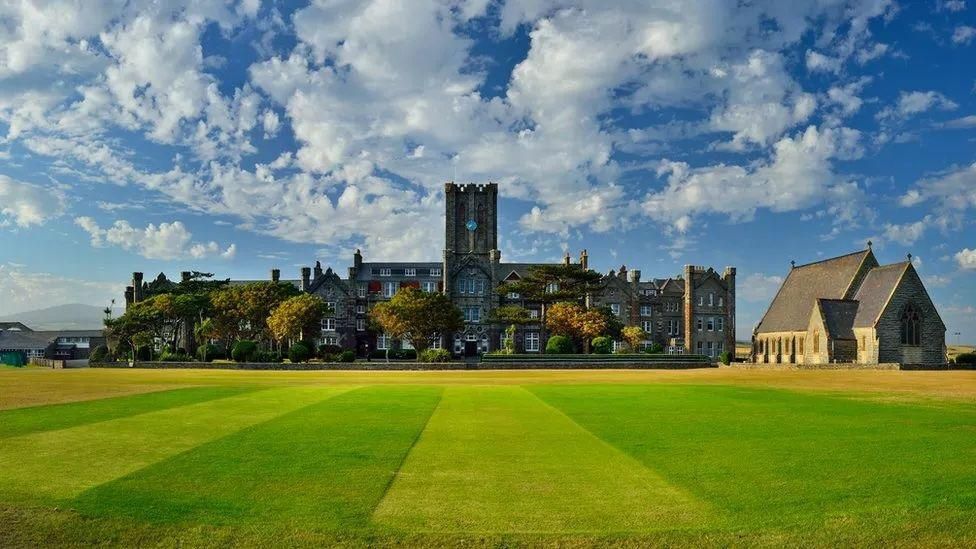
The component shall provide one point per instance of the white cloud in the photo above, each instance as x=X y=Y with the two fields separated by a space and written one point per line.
x=963 y=34
x=27 y=205
x=916 y=102
x=798 y=176
x=962 y=123
x=954 y=5
x=165 y=241
x=966 y=259
x=818 y=62
x=908 y=233
x=953 y=190
x=759 y=287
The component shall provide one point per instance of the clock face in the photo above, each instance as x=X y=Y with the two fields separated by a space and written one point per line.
x=472 y=225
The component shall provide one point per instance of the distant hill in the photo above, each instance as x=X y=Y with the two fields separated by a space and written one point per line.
x=74 y=316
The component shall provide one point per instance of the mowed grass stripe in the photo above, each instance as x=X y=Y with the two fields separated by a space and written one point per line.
x=62 y=464
x=498 y=459
x=323 y=467
x=774 y=458
x=22 y=421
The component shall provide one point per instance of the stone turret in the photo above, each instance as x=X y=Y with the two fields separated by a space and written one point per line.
x=635 y=276
x=137 y=287
x=275 y=275
x=306 y=276
x=566 y=259
x=318 y=270
x=185 y=276
x=584 y=260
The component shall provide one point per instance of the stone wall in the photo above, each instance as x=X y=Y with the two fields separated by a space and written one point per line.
x=411 y=365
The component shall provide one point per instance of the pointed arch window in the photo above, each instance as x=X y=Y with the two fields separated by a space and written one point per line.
x=911 y=326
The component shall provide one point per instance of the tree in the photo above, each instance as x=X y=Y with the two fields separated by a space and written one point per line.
x=294 y=315
x=418 y=317
x=241 y=312
x=204 y=331
x=573 y=320
x=634 y=336
x=140 y=325
x=549 y=284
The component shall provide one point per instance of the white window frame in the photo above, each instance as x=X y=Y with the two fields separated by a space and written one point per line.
x=361 y=308
x=701 y=301
x=386 y=271
x=382 y=342
x=389 y=289
x=647 y=326
x=710 y=324
x=720 y=324
x=361 y=324
x=711 y=299
x=710 y=347
x=472 y=315
x=429 y=286
x=615 y=308
x=435 y=272
x=361 y=292
x=699 y=324
x=646 y=310
x=410 y=272
x=328 y=324
x=532 y=342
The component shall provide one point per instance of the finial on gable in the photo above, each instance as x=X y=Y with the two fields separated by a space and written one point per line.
x=792 y=264
x=869 y=244
x=909 y=258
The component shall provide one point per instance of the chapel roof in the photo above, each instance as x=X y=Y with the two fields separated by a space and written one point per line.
x=874 y=292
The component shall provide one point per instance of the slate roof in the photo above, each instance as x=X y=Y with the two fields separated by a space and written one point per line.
x=827 y=279
x=294 y=282
x=13 y=325
x=366 y=272
x=874 y=292
x=24 y=340
x=521 y=269
x=838 y=317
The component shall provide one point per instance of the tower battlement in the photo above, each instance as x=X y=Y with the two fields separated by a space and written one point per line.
x=452 y=187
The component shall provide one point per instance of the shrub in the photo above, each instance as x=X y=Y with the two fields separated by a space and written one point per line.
x=347 y=356
x=966 y=358
x=244 y=351
x=329 y=358
x=299 y=352
x=210 y=352
x=435 y=355
x=655 y=349
x=395 y=354
x=266 y=356
x=144 y=353
x=179 y=356
x=99 y=354
x=328 y=352
x=602 y=345
x=559 y=345
x=725 y=357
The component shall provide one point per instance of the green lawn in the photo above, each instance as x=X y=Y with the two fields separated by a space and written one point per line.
x=264 y=459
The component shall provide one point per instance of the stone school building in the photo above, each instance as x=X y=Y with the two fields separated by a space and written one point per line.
x=691 y=313
x=851 y=309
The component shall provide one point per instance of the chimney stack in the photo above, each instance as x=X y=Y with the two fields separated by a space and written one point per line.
x=306 y=274
x=318 y=269
x=635 y=276
x=584 y=260
x=136 y=287
x=275 y=275
x=622 y=273
x=566 y=260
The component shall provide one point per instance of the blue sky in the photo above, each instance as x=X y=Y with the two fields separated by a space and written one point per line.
x=237 y=136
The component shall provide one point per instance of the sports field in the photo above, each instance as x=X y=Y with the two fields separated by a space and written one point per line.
x=703 y=457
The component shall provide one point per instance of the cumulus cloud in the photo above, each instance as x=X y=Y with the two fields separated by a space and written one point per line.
x=165 y=241
x=798 y=176
x=759 y=287
x=908 y=233
x=953 y=191
x=26 y=205
x=966 y=259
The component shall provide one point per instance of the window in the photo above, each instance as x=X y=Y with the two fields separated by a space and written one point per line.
x=458 y=344
x=711 y=299
x=389 y=289
x=552 y=288
x=647 y=326
x=863 y=346
x=513 y=295
x=645 y=310
x=699 y=324
x=361 y=308
x=331 y=307
x=435 y=343
x=721 y=301
x=386 y=272
x=701 y=300
x=910 y=326
x=800 y=342
x=472 y=314
x=330 y=340
x=615 y=308
x=532 y=342
x=361 y=292
x=816 y=341
x=361 y=324
x=382 y=342
x=721 y=347
x=711 y=348
x=471 y=286
x=720 y=324
x=673 y=327
x=699 y=347
x=430 y=286
x=617 y=346
x=328 y=324
x=410 y=272
x=405 y=344
x=435 y=272
x=711 y=324
x=533 y=313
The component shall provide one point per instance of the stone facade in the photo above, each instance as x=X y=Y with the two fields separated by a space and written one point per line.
x=851 y=309
x=691 y=313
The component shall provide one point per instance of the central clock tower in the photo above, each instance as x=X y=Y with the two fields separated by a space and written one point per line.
x=471 y=260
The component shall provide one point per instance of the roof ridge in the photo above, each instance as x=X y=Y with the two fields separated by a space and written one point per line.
x=831 y=259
